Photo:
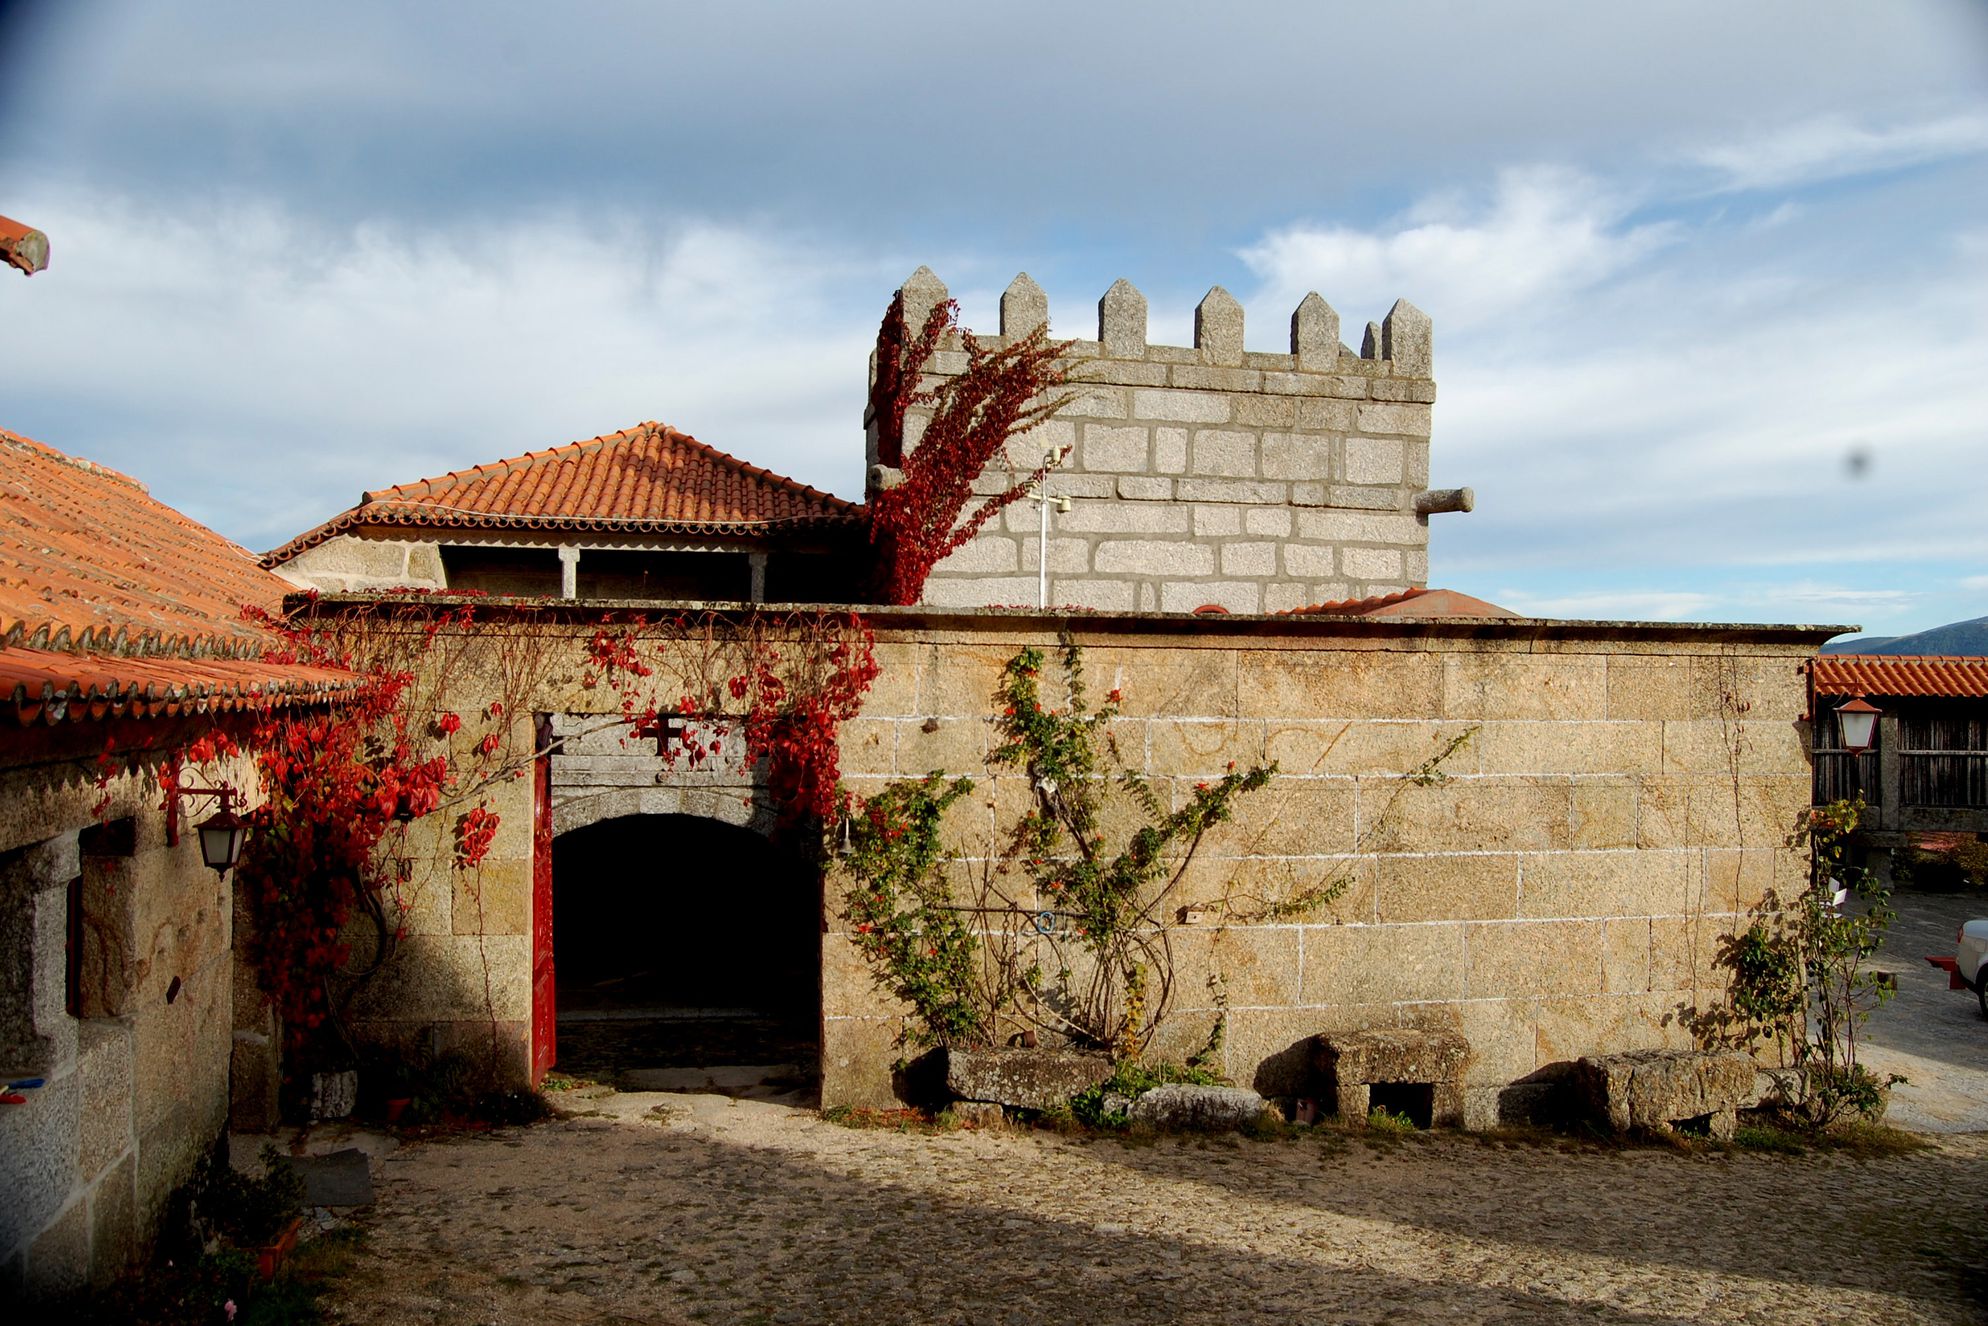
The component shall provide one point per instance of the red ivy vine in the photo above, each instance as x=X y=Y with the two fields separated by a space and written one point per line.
x=336 y=783
x=1001 y=393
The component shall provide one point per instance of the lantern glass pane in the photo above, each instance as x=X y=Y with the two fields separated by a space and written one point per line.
x=221 y=845
x=1856 y=728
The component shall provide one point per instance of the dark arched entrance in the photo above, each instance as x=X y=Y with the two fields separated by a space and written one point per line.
x=687 y=955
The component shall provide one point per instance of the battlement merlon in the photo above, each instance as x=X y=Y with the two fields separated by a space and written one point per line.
x=1394 y=363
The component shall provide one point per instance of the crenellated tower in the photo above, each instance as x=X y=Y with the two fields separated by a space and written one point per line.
x=1211 y=474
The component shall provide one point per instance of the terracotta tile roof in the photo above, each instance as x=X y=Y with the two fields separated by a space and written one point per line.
x=50 y=686
x=23 y=247
x=1406 y=603
x=111 y=602
x=1944 y=675
x=649 y=479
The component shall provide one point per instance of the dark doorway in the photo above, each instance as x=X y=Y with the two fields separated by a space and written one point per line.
x=686 y=956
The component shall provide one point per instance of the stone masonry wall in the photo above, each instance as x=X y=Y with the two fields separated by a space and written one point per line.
x=136 y=1082
x=1560 y=888
x=1210 y=475
x=1620 y=800
x=347 y=563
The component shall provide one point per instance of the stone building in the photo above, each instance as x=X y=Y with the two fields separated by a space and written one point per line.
x=1925 y=775
x=121 y=642
x=1617 y=801
x=1615 y=798
x=645 y=513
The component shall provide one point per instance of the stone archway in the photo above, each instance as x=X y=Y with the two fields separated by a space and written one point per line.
x=682 y=915
x=685 y=941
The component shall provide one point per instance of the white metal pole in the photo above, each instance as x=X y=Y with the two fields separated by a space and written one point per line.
x=1042 y=545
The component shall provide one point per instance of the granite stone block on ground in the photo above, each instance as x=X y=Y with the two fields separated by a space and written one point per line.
x=1021 y=1078
x=1657 y=1089
x=1179 y=1107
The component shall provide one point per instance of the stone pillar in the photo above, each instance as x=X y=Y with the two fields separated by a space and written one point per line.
x=1891 y=774
x=44 y=1226
x=36 y=1032
x=569 y=572
x=758 y=562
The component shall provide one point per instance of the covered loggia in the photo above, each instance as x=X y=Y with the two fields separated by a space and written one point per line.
x=686 y=954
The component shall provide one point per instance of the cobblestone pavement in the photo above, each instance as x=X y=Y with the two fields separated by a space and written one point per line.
x=739 y=1211
x=1933 y=1036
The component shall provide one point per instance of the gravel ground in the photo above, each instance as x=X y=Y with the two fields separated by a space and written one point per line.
x=674 y=1208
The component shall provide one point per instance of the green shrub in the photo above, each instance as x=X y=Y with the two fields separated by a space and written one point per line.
x=1382 y=1120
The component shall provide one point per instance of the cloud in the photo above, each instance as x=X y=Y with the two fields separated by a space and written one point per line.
x=1626 y=396
x=260 y=368
x=1545 y=233
x=1979 y=583
x=1809 y=593
x=1610 y=605
x=1834 y=147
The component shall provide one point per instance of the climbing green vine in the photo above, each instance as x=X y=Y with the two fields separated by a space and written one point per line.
x=1066 y=932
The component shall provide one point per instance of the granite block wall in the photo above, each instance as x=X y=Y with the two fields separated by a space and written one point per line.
x=1558 y=887
x=136 y=1071
x=1208 y=475
x=1617 y=800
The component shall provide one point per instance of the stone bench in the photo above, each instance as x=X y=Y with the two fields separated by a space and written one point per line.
x=1659 y=1089
x=1419 y=1073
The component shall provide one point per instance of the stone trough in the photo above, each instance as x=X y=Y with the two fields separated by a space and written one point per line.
x=1660 y=1089
x=1408 y=1071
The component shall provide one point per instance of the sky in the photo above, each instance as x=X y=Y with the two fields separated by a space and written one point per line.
x=1709 y=281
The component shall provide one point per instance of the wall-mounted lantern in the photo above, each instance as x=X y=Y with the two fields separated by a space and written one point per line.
x=1857 y=721
x=221 y=834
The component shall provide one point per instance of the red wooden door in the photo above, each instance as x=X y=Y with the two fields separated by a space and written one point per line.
x=545 y=1006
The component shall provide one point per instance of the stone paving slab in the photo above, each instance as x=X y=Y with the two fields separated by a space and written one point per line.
x=674 y=1208
x=341 y=1178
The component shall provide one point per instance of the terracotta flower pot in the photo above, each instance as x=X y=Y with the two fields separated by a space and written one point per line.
x=269 y=1257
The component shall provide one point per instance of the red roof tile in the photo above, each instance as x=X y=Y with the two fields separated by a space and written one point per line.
x=649 y=479
x=1406 y=603
x=113 y=602
x=1944 y=675
x=23 y=246
x=49 y=686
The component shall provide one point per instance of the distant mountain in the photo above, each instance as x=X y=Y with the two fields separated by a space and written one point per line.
x=1954 y=638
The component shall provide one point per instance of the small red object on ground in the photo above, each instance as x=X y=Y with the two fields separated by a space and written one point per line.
x=1951 y=967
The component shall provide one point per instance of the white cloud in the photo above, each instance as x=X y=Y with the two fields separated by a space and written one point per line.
x=1610 y=605
x=1832 y=147
x=1543 y=235
x=1979 y=583
x=296 y=363
x=1842 y=596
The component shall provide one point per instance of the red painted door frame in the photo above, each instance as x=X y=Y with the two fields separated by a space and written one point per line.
x=545 y=1009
